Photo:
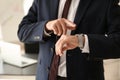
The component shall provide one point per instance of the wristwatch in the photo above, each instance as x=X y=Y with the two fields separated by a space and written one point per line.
x=80 y=40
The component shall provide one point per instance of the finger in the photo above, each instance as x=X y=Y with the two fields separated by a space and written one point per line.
x=55 y=30
x=58 y=47
x=65 y=48
x=59 y=27
x=63 y=24
x=61 y=44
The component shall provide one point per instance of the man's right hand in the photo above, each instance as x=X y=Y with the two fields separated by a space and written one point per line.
x=60 y=26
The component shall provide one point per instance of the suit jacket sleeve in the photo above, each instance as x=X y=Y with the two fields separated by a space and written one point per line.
x=101 y=46
x=30 y=29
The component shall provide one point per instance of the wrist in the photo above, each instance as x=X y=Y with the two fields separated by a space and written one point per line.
x=46 y=28
x=47 y=31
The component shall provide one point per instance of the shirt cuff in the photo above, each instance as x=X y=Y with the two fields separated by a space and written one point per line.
x=85 y=49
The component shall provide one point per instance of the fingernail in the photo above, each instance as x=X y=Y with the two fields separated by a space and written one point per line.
x=55 y=33
x=74 y=24
x=58 y=34
x=60 y=55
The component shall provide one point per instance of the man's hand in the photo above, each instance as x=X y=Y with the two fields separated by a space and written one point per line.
x=66 y=42
x=60 y=26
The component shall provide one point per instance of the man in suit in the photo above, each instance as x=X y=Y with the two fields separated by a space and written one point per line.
x=94 y=26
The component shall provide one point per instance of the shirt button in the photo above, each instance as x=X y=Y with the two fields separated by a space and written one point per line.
x=68 y=55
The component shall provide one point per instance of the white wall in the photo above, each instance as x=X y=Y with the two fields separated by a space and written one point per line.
x=0 y=33
x=11 y=13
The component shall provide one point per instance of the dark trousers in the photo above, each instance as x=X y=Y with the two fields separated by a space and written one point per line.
x=61 y=78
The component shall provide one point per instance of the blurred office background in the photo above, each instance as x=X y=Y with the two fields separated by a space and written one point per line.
x=11 y=13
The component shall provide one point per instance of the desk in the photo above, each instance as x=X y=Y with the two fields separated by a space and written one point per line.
x=13 y=70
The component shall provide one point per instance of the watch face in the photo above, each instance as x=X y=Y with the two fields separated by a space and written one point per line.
x=80 y=39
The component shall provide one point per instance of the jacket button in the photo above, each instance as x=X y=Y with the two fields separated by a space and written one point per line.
x=36 y=37
x=40 y=62
x=51 y=49
x=48 y=69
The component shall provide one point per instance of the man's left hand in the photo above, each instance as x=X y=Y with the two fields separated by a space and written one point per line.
x=66 y=42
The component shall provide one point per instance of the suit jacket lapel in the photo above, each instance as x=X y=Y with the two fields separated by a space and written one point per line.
x=54 y=4
x=81 y=10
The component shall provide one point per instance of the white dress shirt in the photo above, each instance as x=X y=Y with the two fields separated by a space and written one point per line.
x=71 y=16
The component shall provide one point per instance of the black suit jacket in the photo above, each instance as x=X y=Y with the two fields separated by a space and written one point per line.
x=99 y=19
